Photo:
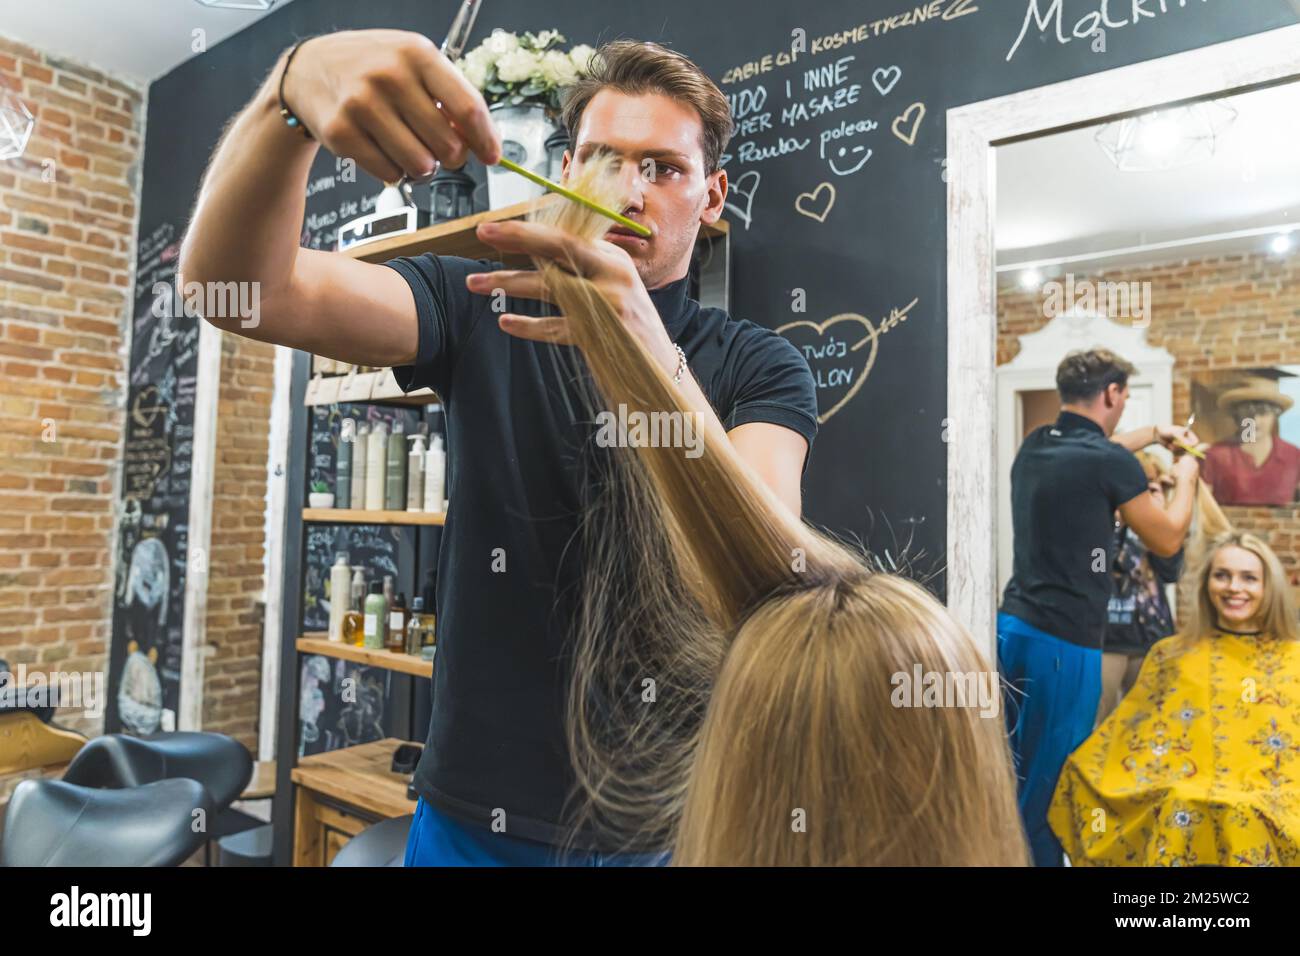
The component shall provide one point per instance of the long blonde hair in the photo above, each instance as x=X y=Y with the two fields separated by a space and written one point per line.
x=732 y=667
x=1277 y=613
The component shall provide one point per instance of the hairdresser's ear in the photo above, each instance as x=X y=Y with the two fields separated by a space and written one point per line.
x=715 y=197
x=564 y=165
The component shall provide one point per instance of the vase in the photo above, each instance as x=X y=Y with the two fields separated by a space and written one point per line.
x=524 y=130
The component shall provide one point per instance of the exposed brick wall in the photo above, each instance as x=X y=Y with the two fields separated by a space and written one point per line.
x=1228 y=312
x=232 y=676
x=67 y=251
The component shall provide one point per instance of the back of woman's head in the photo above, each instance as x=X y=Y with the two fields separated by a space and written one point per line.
x=733 y=668
x=815 y=752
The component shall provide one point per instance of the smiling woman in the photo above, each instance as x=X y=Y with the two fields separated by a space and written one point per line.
x=1199 y=764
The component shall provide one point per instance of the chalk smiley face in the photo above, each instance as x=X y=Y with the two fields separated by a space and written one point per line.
x=844 y=151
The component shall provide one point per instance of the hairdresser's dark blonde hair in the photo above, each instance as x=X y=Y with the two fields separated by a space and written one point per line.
x=733 y=669
x=636 y=68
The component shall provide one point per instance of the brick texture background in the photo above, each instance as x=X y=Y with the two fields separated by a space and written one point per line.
x=67 y=253
x=1210 y=314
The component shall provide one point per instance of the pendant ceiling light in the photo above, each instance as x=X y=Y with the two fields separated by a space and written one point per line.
x=1166 y=139
x=16 y=125
x=259 y=5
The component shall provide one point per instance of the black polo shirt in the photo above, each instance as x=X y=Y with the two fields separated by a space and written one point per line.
x=1067 y=480
x=509 y=564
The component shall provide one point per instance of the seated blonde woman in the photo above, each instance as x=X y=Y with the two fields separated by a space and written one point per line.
x=1200 y=763
x=736 y=693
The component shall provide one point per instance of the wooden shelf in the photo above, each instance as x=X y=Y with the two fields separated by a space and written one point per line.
x=361 y=516
x=458 y=237
x=360 y=776
x=319 y=643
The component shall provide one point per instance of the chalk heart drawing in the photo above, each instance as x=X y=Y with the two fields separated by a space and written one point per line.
x=911 y=116
x=850 y=326
x=807 y=203
x=743 y=188
x=886 y=78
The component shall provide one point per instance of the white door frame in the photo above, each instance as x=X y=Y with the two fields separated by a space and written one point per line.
x=973 y=132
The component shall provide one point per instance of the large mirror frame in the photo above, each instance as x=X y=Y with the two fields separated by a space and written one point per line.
x=974 y=131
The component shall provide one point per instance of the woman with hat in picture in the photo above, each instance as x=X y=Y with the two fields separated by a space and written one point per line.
x=1254 y=467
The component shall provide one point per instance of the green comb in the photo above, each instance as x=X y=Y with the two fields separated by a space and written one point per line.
x=636 y=227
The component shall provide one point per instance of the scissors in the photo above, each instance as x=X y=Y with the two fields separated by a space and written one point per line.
x=1188 y=448
x=452 y=47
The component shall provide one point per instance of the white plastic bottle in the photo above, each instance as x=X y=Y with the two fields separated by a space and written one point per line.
x=376 y=467
x=415 y=473
x=340 y=594
x=359 y=441
x=435 y=475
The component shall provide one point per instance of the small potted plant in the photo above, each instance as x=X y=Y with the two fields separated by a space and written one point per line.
x=521 y=78
x=320 y=495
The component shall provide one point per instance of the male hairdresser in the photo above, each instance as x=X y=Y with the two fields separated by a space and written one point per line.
x=1067 y=481
x=495 y=774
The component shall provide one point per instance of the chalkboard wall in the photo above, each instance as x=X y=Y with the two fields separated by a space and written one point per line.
x=837 y=179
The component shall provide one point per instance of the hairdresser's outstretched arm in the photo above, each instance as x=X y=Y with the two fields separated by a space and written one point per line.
x=387 y=99
x=1164 y=529
x=775 y=453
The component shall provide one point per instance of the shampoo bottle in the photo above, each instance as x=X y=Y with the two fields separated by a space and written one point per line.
x=415 y=473
x=359 y=443
x=343 y=465
x=340 y=594
x=397 y=623
x=376 y=617
x=376 y=466
x=395 y=481
x=353 y=623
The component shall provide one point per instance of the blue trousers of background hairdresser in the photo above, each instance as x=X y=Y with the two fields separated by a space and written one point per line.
x=1052 y=689
x=437 y=839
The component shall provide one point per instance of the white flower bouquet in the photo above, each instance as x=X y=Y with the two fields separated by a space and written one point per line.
x=518 y=70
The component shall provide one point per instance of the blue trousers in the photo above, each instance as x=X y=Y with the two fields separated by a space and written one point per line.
x=1052 y=690
x=437 y=839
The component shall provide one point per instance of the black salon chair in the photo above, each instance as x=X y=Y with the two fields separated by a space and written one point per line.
x=221 y=764
x=382 y=844
x=54 y=823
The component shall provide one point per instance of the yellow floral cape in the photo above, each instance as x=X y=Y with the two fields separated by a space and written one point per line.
x=1199 y=764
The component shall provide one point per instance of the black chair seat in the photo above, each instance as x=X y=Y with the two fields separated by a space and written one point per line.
x=248 y=848
x=222 y=764
x=55 y=823
x=382 y=844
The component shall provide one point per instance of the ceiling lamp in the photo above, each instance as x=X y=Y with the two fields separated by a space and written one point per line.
x=1166 y=139
x=261 y=6
x=16 y=125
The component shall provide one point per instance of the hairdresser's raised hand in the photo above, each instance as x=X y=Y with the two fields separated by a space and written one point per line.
x=390 y=100
x=1171 y=436
x=608 y=266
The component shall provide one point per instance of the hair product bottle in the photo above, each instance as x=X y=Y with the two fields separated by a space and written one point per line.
x=395 y=480
x=340 y=594
x=435 y=473
x=376 y=467
x=397 y=623
x=343 y=465
x=353 y=623
x=359 y=443
x=415 y=626
x=376 y=616
x=415 y=473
